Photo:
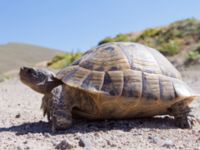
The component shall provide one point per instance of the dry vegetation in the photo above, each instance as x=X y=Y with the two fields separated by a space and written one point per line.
x=180 y=38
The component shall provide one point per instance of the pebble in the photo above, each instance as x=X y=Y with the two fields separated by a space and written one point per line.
x=29 y=135
x=18 y=115
x=154 y=139
x=64 y=145
x=198 y=140
x=47 y=135
x=180 y=147
x=96 y=134
x=83 y=142
x=193 y=131
x=111 y=144
x=77 y=135
x=20 y=133
x=168 y=144
x=20 y=147
x=54 y=143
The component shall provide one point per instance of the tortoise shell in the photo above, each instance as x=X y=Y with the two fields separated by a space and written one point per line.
x=128 y=70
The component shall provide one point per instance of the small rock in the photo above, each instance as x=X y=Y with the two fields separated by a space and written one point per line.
x=18 y=115
x=154 y=139
x=46 y=134
x=20 y=133
x=193 y=132
x=9 y=139
x=168 y=144
x=180 y=147
x=96 y=134
x=198 y=140
x=83 y=142
x=135 y=134
x=54 y=143
x=111 y=144
x=27 y=147
x=20 y=147
x=64 y=145
x=77 y=135
x=29 y=135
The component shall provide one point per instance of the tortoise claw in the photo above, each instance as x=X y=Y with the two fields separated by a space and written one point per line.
x=187 y=122
x=60 y=123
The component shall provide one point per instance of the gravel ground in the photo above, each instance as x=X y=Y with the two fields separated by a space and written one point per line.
x=22 y=125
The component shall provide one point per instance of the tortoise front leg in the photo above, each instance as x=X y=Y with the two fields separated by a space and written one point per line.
x=61 y=110
x=182 y=115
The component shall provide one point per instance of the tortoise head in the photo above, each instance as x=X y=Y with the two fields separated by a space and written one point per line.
x=40 y=80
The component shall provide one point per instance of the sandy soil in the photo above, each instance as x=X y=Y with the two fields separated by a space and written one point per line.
x=22 y=125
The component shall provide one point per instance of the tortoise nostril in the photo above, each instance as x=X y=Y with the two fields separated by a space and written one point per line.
x=30 y=71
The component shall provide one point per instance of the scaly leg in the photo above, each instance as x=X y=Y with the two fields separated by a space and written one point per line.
x=61 y=110
x=181 y=112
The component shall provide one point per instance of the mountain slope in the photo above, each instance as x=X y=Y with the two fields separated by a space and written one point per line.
x=15 y=55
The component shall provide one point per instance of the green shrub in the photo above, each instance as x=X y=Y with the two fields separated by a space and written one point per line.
x=149 y=33
x=118 y=38
x=193 y=55
x=121 y=38
x=106 y=40
x=61 y=61
x=197 y=48
x=171 y=48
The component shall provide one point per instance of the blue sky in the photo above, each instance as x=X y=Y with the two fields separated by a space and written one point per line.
x=81 y=24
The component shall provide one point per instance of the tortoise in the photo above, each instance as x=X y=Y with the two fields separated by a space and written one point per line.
x=117 y=80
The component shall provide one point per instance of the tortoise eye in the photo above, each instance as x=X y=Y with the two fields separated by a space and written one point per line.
x=32 y=72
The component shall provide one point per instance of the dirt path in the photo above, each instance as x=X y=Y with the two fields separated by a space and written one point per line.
x=23 y=127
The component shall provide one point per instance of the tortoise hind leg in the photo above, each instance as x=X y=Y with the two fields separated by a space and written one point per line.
x=181 y=112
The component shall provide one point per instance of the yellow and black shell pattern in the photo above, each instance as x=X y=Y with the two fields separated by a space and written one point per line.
x=125 y=69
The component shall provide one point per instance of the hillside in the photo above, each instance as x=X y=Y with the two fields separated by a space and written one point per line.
x=14 y=55
x=180 y=39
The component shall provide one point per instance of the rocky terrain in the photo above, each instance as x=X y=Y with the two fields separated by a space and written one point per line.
x=22 y=125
